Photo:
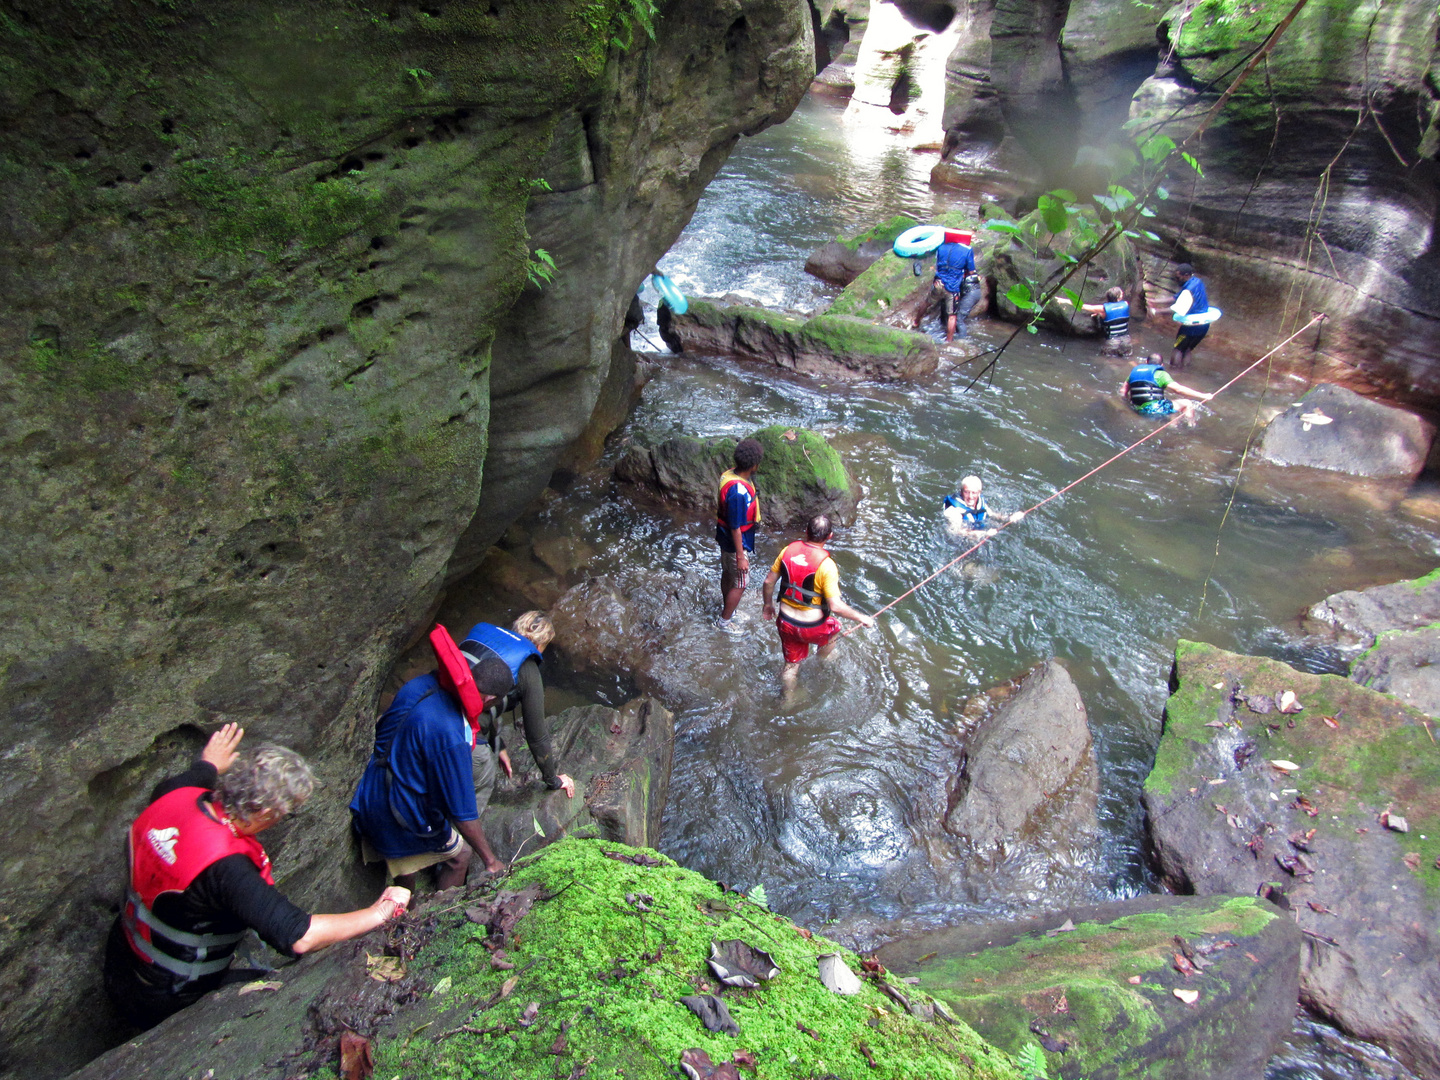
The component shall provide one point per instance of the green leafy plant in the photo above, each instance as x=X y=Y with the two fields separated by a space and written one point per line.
x=757 y=895
x=541 y=268
x=419 y=75
x=633 y=13
x=1032 y=1062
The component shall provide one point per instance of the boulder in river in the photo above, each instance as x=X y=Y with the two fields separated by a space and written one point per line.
x=1029 y=767
x=800 y=476
x=1336 y=818
x=1356 y=619
x=1406 y=665
x=1333 y=428
x=575 y=964
x=828 y=346
x=1098 y=1000
x=842 y=259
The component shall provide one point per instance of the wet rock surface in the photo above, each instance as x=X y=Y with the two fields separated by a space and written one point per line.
x=827 y=346
x=1355 y=619
x=1029 y=767
x=1317 y=832
x=843 y=259
x=1333 y=428
x=1099 y=998
x=1405 y=665
x=574 y=964
x=620 y=761
x=801 y=475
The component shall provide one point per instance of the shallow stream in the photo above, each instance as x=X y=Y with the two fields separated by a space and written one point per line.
x=829 y=800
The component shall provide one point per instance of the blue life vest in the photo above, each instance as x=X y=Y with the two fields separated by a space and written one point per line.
x=1143 y=386
x=974 y=516
x=1117 y=319
x=506 y=644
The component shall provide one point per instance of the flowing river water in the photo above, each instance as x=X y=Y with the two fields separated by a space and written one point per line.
x=829 y=800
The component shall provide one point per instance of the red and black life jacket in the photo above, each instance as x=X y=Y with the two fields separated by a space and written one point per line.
x=728 y=480
x=799 y=563
x=171 y=843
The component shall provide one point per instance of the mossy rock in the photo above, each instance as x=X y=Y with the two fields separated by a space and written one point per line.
x=800 y=476
x=845 y=257
x=1223 y=819
x=828 y=346
x=890 y=291
x=1104 y=990
x=596 y=968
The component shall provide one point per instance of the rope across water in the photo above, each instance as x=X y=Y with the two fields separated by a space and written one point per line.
x=1081 y=479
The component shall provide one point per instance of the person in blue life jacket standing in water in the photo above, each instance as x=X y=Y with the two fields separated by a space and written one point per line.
x=1113 y=315
x=1190 y=300
x=958 y=282
x=737 y=512
x=432 y=770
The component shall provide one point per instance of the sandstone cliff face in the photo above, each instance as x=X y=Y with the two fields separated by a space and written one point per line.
x=259 y=259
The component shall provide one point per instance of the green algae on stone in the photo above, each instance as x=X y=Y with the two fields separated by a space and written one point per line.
x=885 y=232
x=891 y=280
x=610 y=976
x=795 y=461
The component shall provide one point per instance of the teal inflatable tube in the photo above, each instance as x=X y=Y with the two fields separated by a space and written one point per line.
x=921 y=240
x=672 y=296
x=1202 y=318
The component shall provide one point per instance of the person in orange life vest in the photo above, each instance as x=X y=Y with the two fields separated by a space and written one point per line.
x=809 y=598
x=199 y=879
x=736 y=514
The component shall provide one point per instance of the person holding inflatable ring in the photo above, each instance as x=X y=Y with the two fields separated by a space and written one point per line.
x=1191 y=303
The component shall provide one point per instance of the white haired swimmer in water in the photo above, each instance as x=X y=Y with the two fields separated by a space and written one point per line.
x=969 y=517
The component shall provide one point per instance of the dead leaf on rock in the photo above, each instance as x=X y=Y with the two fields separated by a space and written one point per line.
x=1302 y=840
x=1183 y=965
x=259 y=985
x=1214 y=723
x=713 y=1013
x=1319 y=908
x=1284 y=766
x=1189 y=997
x=356 y=1060
x=1411 y=859
x=384 y=968
x=1331 y=723
x=1134 y=980
x=529 y=1013
x=1394 y=822
x=1260 y=703
x=737 y=964
x=1295 y=864
x=1302 y=803
x=1063 y=928
x=1287 y=702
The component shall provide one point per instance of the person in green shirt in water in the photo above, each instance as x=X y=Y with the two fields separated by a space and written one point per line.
x=1145 y=389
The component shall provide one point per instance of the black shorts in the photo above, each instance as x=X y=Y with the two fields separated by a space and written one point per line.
x=1190 y=336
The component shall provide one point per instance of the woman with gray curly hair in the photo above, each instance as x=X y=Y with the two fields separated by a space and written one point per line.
x=199 y=879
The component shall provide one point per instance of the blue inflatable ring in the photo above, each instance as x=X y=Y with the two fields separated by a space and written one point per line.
x=672 y=296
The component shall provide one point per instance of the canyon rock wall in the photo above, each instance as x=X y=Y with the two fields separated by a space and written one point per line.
x=266 y=266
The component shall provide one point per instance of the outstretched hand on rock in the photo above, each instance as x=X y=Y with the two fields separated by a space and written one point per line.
x=567 y=785
x=221 y=751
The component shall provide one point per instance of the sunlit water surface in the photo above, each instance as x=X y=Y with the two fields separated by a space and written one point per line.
x=830 y=800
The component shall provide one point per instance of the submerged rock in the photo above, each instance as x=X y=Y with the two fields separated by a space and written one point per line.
x=1098 y=1000
x=1031 y=766
x=1224 y=819
x=574 y=964
x=842 y=259
x=1333 y=428
x=800 y=476
x=828 y=346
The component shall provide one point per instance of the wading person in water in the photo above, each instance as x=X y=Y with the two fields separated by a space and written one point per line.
x=737 y=512
x=1114 y=318
x=809 y=599
x=958 y=283
x=967 y=514
x=1145 y=389
x=1191 y=303
x=199 y=879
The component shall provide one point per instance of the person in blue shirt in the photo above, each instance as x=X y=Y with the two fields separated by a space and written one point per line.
x=415 y=805
x=959 y=284
x=737 y=512
x=1190 y=300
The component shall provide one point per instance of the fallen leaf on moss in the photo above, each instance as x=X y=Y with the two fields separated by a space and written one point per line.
x=736 y=963
x=806 y=934
x=1287 y=702
x=1134 y=980
x=508 y=987
x=1283 y=765
x=1330 y=722
x=356 y=1060
x=1394 y=822
x=529 y=1013
x=259 y=985
x=1063 y=928
x=1189 y=997
x=713 y=1013
x=744 y=1059
x=384 y=968
x=1411 y=859
x=696 y=1064
x=443 y=986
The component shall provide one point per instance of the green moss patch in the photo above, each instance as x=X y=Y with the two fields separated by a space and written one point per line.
x=796 y=461
x=884 y=233
x=607 y=979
